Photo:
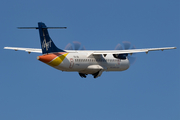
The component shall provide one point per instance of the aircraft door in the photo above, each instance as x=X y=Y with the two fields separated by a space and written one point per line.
x=119 y=62
x=71 y=63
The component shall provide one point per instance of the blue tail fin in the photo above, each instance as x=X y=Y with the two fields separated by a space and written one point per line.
x=47 y=44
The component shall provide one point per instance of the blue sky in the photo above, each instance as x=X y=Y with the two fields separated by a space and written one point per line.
x=150 y=89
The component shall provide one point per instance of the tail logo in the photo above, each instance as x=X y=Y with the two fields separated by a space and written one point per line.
x=46 y=45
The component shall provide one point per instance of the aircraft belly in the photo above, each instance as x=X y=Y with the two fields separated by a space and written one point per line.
x=92 y=68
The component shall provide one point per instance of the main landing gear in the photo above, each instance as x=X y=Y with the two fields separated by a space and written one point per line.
x=82 y=75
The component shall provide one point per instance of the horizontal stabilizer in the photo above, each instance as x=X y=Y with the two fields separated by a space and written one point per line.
x=42 y=27
x=29 y=50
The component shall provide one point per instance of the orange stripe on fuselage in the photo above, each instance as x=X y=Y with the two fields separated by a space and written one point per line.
x=49 y=58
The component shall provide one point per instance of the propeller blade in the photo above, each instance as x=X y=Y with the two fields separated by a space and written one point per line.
x=133 y=47
x=76 y=45
x=132 y=60
x=118 y=47
x=68 y=47
x=83 y=48
x=126 y=45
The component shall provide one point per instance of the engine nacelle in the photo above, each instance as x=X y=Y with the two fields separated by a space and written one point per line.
x=120 y=56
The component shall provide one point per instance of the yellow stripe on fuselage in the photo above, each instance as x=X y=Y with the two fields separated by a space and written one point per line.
x=58 y=60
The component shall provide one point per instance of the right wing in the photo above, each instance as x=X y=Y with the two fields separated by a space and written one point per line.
x=130 y=51
x=29 y=50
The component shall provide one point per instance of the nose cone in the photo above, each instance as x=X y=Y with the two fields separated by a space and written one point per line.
x=52 y=59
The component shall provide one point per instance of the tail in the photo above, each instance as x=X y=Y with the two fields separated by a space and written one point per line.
x=47 y=44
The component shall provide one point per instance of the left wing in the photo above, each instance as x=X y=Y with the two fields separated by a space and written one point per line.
x=29 y=50
x=130 y=51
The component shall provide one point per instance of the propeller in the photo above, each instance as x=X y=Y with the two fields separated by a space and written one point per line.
x=127 y=45
x=76 y=44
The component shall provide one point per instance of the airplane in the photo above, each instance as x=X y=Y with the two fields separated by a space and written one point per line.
x=85 y=62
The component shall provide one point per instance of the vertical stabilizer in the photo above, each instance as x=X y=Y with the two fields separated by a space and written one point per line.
x=47 y=44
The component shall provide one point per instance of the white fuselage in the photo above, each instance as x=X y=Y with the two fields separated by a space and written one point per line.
x=79 y=61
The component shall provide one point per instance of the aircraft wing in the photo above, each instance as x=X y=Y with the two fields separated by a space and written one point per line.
x=130 y=51
x=99 y=52
x=29 y=50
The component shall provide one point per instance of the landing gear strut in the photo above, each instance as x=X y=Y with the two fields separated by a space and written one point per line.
x=82 y=75
x=97 y=74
